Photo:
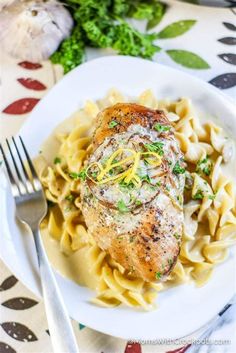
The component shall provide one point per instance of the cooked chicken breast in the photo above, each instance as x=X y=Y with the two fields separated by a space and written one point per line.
x=132 y=195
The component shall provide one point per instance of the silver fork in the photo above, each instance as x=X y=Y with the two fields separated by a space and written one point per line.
x=31 y=207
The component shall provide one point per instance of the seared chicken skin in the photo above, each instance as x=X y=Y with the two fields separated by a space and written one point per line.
x=132 y=195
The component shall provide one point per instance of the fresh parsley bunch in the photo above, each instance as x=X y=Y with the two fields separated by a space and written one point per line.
x=101 y=24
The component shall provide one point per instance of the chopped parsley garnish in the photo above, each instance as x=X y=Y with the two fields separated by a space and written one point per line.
x=112 y=124
x=204 y=166
x=155 y=147
x=122 y=206
x=178 y=169
x=158 y=275
x=94 y=175
x=146 y=178
x=115 y=168
x=125 y=185
x=170 y=262
x=158 y=183
x=207 y=171
x=198 y=195
x=114 y=161
x=138 y=202
x=81 y=175
x=119 y=169
x=176 y=235
x=70 y=198
x=211 y=197
x=57 y=160
x=74 y=175
x=161 y=128
x=167 y=188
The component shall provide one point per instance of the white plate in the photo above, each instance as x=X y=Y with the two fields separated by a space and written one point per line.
x=181 y=310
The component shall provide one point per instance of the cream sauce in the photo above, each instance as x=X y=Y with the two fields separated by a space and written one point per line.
x=73 y=266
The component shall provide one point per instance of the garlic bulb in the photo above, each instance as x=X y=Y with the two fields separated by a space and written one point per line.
x=33 y=29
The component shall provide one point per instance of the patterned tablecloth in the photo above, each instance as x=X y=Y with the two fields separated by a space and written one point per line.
x=207 y=50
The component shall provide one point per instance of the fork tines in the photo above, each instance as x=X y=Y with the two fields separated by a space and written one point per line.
x=24 y=180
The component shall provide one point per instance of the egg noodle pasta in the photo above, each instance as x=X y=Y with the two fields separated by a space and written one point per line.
x=209 y=201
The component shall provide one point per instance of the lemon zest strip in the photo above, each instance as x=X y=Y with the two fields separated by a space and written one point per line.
x=133 y=169
x=109 y=164
x=130 y=175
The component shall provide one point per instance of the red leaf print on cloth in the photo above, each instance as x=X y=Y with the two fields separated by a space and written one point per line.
x=30 y=66
x=180 y=350
x=133 y=348
x=32 y=84
x=21 y=106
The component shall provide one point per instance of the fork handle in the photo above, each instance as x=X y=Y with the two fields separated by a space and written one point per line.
x=59 y=323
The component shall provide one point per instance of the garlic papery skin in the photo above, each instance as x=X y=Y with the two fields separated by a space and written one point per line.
x=5 y=3
x=32 y=30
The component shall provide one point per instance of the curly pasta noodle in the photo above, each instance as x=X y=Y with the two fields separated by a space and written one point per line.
x=209 y=206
